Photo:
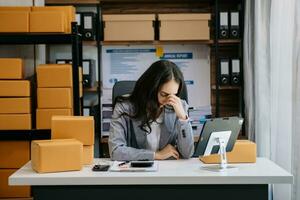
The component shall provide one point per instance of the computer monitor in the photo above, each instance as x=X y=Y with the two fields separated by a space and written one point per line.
x=222 y=126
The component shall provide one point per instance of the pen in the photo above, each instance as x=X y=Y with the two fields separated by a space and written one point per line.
x=123 y=163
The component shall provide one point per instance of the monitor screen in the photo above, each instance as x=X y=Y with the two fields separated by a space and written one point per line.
x=232 y=124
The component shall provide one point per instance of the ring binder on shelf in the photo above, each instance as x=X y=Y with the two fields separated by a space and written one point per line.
x=87 y=22
x=89 y=73
x=235 y=72
x=234 y=25
x=223 y=28
x=224 y=72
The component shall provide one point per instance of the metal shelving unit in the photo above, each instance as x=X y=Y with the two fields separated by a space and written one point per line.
x=48 y=38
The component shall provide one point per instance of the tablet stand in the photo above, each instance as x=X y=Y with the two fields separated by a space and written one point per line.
x=220 y=139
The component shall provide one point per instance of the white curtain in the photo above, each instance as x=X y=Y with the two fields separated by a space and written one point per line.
x=269 y=81
x=296 y=108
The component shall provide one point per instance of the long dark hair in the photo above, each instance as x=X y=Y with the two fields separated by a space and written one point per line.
x=144 y=96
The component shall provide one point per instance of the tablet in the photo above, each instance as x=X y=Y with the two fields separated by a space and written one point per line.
x=233 y=124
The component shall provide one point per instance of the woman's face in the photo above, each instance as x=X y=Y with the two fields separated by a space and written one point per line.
x=167 y=89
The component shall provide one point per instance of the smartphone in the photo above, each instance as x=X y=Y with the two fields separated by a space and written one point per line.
x=141 y=163
x=100 y=168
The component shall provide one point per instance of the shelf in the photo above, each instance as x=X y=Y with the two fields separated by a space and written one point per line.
x=30 y=38
x=93 y=89
x=229 y=41
x=71 y=2
x=214 y=87
x=25 y=134
x=89 y=43
x=156 y=42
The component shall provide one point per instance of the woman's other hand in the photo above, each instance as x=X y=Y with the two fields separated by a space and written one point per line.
x=167 y=152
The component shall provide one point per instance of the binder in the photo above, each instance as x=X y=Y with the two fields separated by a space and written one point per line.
x=223 y=28
x=63 y=61
x=224 y=72
x=89 y=73
x=234 y=25
x=235 y=72
x=87 y=22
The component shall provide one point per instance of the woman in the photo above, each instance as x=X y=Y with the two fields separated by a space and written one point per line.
x=152 y=123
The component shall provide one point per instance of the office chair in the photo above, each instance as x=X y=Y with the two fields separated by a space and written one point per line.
x=126 y=87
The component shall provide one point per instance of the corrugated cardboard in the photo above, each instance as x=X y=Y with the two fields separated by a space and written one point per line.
x=47 y=21
x=80 y=74
x=19 y=105
x=78 y=127
x=15 y=121
x=43 y=116
x=80 y=89
x=14 y=88
x=11 y=68
x=56 y=155
x=14 y=154
x=15 y=8
x=244 y=151
x=184 y=26
x=54 y=98
x=14 y=21
x=7 y=191
x=88 y=154
x=69 y=12
x=135 y=27
x=62 y=74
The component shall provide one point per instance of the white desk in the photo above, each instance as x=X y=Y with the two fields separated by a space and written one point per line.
x=175 y=179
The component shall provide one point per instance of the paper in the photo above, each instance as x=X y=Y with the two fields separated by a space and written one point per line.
x=126 y=168
x=129 y=62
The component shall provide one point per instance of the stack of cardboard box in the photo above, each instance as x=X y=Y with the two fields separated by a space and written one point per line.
x=70 y=147
x=32 y=19
x=15 y=114
x=13 y=154
x=77 y=127
x=15 y=109
x=54 y=93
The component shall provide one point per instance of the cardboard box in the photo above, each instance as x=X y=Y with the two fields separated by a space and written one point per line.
x=14 y=154
x=43 y=116
x=244 y=151
x=11 y=68
x=88 y=154
x=15 y=121
x=7 y=191
x=184 y=26
x=69 y=14
x=54 y=98
x=80 y=71
x=47 y=21
x=78 y=127
x=62 y=73
x=17 y=88
x=21 y=105
x=135 y=27
x=80 y=89
x=15 y=8
x=56 y=155
x=14 y=21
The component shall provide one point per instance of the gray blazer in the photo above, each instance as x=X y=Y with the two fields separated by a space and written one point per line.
x=128 y=142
